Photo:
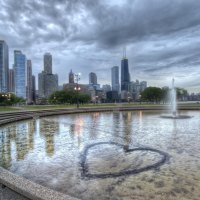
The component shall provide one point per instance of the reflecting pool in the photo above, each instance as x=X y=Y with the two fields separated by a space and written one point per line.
x=111 y=155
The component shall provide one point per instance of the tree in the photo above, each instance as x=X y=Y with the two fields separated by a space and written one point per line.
x=69 y=97
x=181 y=93
x=165 y=94
x=152 y=94
x=8 y=99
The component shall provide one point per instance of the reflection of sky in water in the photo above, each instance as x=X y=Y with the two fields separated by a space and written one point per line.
x=47 y=151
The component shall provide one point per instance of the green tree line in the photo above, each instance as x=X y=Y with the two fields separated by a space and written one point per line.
x=69 y=97
x=8 y=99
x=157 y=95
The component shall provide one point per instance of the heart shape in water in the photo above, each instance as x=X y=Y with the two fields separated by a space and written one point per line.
x=118 y=160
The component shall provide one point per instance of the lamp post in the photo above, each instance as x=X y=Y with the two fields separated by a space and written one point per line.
x=77 y=88
x=96 y=99
x=140 y=98
x=54 y=98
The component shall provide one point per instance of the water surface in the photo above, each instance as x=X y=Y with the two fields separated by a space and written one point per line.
x=49 y=151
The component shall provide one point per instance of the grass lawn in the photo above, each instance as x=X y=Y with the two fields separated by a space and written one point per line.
x=8 y=108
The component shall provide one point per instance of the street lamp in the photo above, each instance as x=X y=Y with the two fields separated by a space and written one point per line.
x=140 y=98
x=96 y=99
x=54 y=98
x=77 y=88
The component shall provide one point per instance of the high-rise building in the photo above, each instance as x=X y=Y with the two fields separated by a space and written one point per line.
x=19 y=73
x=51 y=84
x=92 y=78
x=47 y=82
x=4 y=62
x=33 y=89
x=29 y=82
x=143 y=85
x=115 y=78
x=125 y=76
x=11 y=80
x=71 y=77
x=106 y=88
x=48 y=63
x=41 y=84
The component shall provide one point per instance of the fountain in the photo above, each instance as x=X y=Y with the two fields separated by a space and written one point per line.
x=174 y=114
x=173 y=98
x=109 y=155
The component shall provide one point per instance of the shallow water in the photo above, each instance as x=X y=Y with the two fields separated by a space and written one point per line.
x=96 y=155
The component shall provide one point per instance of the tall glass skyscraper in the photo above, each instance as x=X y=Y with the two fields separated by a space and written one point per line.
x=19 y=71
x=11 y=80
x=47 y=82
x=115 y=78
x=4 y=62
x=92 y=78
x=29 y=82
x=48 y=63
x=125 y=76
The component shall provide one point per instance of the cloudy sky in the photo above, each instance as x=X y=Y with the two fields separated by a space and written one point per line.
x=162 y=38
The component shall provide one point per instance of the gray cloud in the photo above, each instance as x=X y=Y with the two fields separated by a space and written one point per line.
x=162 y=37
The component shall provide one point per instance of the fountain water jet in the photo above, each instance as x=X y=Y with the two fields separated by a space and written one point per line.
x=173 y=98
x=174 y=114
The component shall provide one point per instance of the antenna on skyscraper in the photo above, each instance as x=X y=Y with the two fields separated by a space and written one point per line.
x=124 y=52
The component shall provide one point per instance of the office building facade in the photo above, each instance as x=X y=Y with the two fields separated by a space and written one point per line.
x=4 y=66
x=115 y=78
x=71 y=77
x=33 y=89
x=11 y=80
x=19 y=74
x=47 y=82
x=48 y=63
x=92 y=78
x=125 y=76
x=29 y=82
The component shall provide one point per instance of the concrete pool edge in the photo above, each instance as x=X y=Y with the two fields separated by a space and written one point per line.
x=31 y=189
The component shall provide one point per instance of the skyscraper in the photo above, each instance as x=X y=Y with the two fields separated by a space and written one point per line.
x=19 y=73
x=33 y=89
x=4 y=62
x=48 y=63
x=71 y=77
x=29 y=82
x=47 y=82
x=11 y=80
x=115 y=78
x=125 y=76
x=92 y=78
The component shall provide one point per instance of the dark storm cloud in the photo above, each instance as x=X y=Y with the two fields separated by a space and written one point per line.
x=162 y=37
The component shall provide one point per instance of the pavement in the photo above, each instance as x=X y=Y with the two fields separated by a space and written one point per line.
x=8 y=194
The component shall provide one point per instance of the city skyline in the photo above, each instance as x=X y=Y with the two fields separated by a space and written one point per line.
x=161 y=38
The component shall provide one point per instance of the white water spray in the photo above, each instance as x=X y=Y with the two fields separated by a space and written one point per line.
x=173 y=99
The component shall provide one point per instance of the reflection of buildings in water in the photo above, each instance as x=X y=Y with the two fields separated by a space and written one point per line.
x=127 y=119
x=94 y=124
x=140 y=115
x=11 y=130
x=140 y=120
x=21 y=140
x=174 y=137
x=49 y=144
x=48 y=126
x=72 y=130
x=5 y=150
x=48 y=129
x=116 y=123
x=78 y=129
x=31 y=132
